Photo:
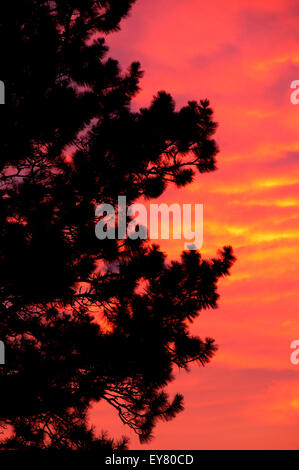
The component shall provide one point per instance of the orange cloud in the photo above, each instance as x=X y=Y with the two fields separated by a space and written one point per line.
x=243 y=58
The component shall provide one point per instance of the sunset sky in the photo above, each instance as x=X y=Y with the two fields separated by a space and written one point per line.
x=242 y=56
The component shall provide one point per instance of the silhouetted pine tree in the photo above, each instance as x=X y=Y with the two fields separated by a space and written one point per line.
x=75 y=333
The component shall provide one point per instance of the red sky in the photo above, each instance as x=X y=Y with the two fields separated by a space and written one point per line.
x=242 y=55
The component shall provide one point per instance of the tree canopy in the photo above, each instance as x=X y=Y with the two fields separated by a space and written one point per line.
x=83 y=319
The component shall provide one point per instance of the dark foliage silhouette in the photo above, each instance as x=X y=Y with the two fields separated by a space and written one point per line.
x=85 y=320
